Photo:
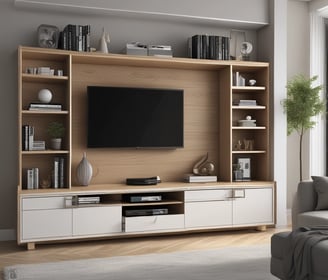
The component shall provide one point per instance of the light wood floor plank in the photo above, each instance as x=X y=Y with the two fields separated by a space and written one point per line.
x=11 y=253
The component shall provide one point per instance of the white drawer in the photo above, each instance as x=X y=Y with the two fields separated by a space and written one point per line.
x=38 y=203
x=207 y=195
x=153 y=223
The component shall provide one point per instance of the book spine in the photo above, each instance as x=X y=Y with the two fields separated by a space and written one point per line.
x=30 y=137
x=61 y=172
x=25 y=137
x=55 y=175
x=35 y=178
x=30 y=181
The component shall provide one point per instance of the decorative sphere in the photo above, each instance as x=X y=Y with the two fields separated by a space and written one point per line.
x=248 y=118
x=45 y=95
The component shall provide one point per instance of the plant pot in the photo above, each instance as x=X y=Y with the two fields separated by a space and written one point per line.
x=56 y=143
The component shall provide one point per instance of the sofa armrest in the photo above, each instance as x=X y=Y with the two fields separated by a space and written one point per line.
x=305 y=200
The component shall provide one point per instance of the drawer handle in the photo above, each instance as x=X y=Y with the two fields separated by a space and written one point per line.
x=238 y=193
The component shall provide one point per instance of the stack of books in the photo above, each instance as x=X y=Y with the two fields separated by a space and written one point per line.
x=45 y=107
x=209 y=47
x=58 y=173
x=75 y=38
x=191 y=178
x=28 y=142
x=247 y=102
x=32 y=178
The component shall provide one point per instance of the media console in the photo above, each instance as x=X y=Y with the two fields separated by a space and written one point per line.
x=52 y=215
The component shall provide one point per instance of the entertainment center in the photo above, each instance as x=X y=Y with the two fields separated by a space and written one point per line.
x=210 y=125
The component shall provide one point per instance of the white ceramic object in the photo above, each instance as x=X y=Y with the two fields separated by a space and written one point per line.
x=84 y=171
x=45 y=95
x=252 y=82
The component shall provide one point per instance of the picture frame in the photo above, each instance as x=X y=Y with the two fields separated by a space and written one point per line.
x=245 y=165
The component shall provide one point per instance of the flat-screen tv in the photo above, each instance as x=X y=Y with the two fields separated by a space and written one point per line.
x=126 y=117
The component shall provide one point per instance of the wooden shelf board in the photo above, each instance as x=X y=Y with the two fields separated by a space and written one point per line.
x=43 y=78
x=45 y=152
x=258 y=107
x=248 y=88
x=249 y=152
x=44 y=112
x=249 y=128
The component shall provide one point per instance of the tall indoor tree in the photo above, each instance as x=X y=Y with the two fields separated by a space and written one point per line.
x=303 y=102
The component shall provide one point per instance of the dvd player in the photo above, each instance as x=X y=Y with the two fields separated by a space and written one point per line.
x=146 y=212
x=142 y=181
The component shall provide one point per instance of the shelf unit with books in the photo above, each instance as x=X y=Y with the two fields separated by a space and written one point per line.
x=249 y=120
x=211 y=125
x=33 y=123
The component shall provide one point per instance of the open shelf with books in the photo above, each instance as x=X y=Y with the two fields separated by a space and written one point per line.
x=41 y=166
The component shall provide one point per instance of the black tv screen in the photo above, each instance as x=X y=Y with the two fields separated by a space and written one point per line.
x=122 y=117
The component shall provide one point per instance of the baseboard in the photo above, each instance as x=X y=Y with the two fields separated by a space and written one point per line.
x=7 y=234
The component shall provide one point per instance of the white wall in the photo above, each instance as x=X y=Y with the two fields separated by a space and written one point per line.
x=298 y=62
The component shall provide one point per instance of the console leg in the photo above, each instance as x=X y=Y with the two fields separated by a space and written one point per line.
x=30 y=246
x=261 y=228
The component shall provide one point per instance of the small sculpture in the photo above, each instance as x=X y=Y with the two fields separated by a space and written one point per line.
x=104 y=40
x=203 y=167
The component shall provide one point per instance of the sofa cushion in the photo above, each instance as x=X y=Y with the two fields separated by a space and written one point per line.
x=320 y=184
x=313 y=218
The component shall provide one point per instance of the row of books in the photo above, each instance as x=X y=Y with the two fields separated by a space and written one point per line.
x=45 y=107
x=209 y=47
x=75 y=38
x=32 y=178
x=28 y=142
x=58 y=173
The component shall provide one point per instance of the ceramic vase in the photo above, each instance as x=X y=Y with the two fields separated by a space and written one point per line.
x=84 y=171
x=104 y=40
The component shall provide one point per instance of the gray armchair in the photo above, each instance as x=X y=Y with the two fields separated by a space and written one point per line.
x=305 y=210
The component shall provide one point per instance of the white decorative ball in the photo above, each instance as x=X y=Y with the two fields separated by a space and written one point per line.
x=248 y=118
x=45 y=95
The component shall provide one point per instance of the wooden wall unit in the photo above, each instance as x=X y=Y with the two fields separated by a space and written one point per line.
x=210 y=120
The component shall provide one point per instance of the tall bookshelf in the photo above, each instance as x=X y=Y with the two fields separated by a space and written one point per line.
x=29 y=84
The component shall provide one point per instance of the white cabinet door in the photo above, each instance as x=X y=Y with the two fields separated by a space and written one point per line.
x=208 y=214
x=47 y=223
x=208 y=208
x=254 y=207
x=96 y=220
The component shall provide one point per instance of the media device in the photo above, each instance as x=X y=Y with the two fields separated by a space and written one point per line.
x=127 y=117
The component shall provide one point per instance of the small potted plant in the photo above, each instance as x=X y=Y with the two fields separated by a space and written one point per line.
x=56 y=131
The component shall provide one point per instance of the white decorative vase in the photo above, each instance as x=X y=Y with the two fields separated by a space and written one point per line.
x=104 y=40
x=44 y=95
x=84 y=171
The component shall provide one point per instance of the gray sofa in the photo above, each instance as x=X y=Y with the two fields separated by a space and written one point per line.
x=304 y=212
x=310 y=208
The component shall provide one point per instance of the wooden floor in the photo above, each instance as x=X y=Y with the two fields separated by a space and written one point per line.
x=11 y=253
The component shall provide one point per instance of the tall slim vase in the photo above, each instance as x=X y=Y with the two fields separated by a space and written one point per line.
x=84 y=171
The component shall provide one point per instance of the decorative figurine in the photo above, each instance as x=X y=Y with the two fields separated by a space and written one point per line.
x=104 y=40
x=203 y=167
